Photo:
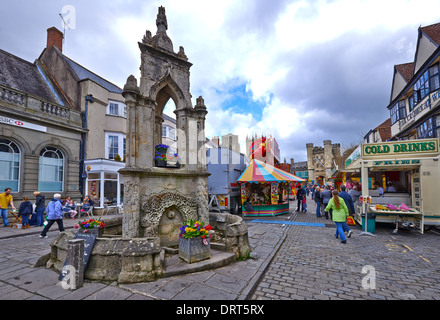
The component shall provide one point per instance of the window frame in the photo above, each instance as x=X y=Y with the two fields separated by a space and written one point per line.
x=59 y=174
x=16 y=153
x=429 y=128
x=121 y=144
x=432 y=76
x=121 y=109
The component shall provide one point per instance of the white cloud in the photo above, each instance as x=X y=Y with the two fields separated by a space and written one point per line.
x=260 y=45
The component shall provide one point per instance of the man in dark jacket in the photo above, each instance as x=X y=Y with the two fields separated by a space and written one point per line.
x=300 y=195
x=40 y=203
x=318 y=200
x=326 y=195
x=347 y=199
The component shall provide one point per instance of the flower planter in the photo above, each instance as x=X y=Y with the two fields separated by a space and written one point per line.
x=194 y=250
x=160 y=163
x=95 y=231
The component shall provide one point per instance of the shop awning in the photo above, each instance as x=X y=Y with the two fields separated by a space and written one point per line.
x=258 y=171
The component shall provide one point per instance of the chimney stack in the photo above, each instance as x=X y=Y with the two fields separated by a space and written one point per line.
x=54 y=38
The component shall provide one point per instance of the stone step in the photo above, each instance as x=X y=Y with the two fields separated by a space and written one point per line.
x=175 y=266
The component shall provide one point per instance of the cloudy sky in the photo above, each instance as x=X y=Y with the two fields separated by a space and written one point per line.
x=303 y=70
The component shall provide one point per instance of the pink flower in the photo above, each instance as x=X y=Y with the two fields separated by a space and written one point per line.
x=76 y=226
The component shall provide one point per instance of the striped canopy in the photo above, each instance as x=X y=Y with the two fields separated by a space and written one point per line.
x=258 y=171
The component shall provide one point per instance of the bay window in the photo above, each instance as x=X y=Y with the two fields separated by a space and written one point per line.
x=115 y=144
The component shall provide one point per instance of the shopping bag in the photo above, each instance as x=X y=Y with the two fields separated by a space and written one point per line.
x=350 y=221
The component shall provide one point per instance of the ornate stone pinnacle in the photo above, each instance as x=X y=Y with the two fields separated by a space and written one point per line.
x=200 y=102
x=182 y=54
x=147 y=37
x=161 y=21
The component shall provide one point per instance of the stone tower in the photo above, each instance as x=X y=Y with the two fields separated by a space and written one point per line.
x=157 y=200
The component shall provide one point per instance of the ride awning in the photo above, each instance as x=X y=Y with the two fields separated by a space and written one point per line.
x=258 y=171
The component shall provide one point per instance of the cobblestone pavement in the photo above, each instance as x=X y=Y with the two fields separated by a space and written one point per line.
x=313 y=264
x=20 y=250
x=292 y=262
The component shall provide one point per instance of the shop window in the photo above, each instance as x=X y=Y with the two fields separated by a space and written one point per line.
x=51 y=170
x=9 y=165
x=93 y=187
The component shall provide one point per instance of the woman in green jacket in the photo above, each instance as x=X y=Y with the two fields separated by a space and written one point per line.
x=340 y=213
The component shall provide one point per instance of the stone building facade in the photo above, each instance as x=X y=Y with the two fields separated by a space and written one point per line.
x=322 y=162
x=40 y=133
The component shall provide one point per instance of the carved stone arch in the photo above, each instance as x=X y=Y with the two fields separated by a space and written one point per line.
x=156 y=205
x=164 y=89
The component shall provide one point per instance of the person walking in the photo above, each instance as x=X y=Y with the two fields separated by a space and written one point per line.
x=300 y=195
x=40 y=203
x=6 y=199
x=347 y=199
x=355 y=194
x=339 y=216
x=24 y=210
x=318 y=200
x=54 y=214
x=326 y=196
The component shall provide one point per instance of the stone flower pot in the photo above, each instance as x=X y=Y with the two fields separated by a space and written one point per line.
x=160 y=163
x=194 y=250
x=95 y=231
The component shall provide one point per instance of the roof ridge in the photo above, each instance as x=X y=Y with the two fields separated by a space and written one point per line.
x=17 y=57
x=90 y=71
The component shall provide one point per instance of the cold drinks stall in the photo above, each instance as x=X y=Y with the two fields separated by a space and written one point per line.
x=399 y=181
x=265 y=189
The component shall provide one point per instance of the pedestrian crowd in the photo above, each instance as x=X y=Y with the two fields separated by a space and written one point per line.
x=33 y=214
x=331 y=204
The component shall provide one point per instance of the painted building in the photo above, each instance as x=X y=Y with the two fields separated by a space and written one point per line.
x=40 y=132
x=415 y=92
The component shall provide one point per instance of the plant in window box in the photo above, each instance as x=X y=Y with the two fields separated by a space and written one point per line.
x=160 y=157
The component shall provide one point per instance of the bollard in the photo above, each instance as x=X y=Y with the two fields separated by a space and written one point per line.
x=73 y=271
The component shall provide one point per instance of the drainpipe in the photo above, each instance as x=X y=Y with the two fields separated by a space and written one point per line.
x=82 y=169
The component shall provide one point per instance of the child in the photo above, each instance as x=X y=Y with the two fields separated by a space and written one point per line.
x=304 y=205
x=71 y=206
x=25 y=210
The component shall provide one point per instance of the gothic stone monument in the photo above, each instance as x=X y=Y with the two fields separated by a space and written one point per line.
x=157 y=200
